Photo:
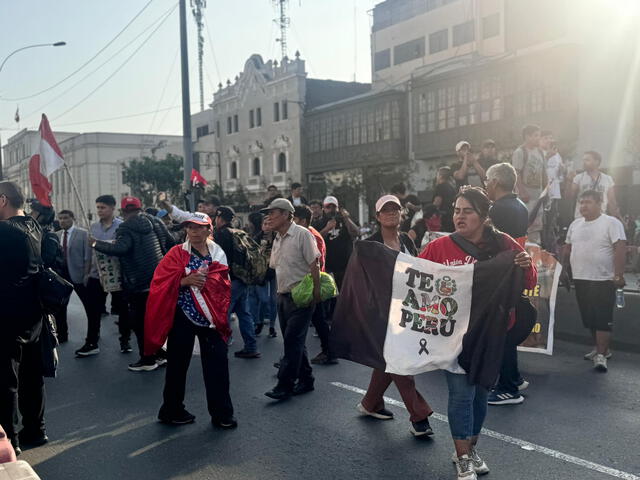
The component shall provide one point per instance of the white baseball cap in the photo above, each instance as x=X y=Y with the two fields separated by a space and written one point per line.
x=331 y=201
x=382 y=201
x=461 y=144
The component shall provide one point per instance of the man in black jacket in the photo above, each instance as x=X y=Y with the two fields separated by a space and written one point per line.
x=20 y=321
x=141 y=242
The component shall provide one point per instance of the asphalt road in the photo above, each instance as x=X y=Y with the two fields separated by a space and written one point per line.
x=101 y=419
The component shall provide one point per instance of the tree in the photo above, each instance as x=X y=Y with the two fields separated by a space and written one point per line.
x=148 y=176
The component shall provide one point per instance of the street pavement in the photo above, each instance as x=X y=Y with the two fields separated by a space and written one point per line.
x=101 y=420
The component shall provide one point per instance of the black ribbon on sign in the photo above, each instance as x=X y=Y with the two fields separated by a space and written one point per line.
x=423 y=346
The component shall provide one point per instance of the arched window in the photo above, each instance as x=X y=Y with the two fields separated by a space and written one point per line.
x=282 y=162
x=234 y=170
x=256 y=167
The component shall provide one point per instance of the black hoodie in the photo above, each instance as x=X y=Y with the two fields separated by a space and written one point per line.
x=141 y=242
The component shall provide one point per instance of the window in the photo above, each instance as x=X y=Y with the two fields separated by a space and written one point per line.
x=218 y=128
x=235 y=123
x=422 y=113
x=382 y=60
x=259 y=117
x=285 y=110
x=276 y=112
x=255 y=167
x=282 y=162
x=252 y=122
x=463 y=33
x=439 y=41
x=491 y=26
x=229 y=126
x=395 y=119
x=233 y=170
x=408 y=51
x=202 y=131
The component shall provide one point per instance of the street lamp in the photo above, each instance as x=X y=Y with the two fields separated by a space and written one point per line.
x=57 y=44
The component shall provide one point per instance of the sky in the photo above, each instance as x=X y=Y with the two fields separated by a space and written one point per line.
x=139 y=71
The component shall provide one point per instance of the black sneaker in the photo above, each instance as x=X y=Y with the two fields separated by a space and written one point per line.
x=225 y=423
x=33 y=439
x=320 y=359
x=272 y=332
x=244 y=354
x=421 y=428
x=87 y=350
x=259 y=328
x=125 y=346
x=143 y=365
x=181 y=418
x=304 y=387
x=279 y=393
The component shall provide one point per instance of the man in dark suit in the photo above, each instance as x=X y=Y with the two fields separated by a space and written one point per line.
x=77 y=265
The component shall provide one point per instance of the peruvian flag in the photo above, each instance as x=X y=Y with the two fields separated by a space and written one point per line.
x=42 y=165
x=196 y=178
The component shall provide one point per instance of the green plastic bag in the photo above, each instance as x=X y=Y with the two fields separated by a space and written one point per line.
x=302 y=294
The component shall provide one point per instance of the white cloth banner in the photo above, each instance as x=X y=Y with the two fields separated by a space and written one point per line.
x=428 y=316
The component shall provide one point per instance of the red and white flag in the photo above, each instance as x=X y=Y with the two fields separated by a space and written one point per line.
x=42 y=165
x=196 y=178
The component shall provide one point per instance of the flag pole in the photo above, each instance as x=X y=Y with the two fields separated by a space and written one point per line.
x=75 y=191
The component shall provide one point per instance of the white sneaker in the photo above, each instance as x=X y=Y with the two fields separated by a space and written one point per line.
x=593 y=353
x=479 y=465
x=465 y=468
x=600 y=363
x=523 y=386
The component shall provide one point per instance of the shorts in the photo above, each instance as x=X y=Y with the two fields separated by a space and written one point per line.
x=596 y=300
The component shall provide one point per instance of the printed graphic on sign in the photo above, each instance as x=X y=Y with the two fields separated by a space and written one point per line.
x=428 y=316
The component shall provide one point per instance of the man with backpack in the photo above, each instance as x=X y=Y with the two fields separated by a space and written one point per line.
x=242 y=257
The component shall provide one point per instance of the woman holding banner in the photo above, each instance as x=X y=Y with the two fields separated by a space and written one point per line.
x=388 y=215
x=474 y=239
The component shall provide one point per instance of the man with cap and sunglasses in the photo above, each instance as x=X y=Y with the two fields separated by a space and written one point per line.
x=471 y=169
x=294 y=255
x=339 y=232
x=239 y=290
x=141 y=242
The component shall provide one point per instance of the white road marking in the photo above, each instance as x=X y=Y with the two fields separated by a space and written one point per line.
x=514 y=441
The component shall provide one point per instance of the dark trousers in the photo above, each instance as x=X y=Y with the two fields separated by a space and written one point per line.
x=509 y=372
x=294 y=323
x=136 y=308
x=21 y=388
x=320 y=320
x=215 y=368
x=62 y=327
x=373 y=400
x=95 y=300
x=119 y=306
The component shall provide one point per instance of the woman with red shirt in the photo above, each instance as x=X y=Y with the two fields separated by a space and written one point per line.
x=468 y=403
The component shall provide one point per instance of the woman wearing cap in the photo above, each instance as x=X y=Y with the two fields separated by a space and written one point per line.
x=388 y=216
x=468 y=402
x=189 y=297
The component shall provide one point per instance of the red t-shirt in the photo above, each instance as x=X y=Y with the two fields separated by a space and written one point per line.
x=321 y=246
x=445 y=251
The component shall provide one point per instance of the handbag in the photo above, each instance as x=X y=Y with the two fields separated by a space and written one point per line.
x=48 y=343
x=53 y=290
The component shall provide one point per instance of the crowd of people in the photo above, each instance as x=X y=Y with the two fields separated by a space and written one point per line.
x=185 y=274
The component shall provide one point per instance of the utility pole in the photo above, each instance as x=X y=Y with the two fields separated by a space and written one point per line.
x=186 y=107
x=196 y=8
x=283 y=23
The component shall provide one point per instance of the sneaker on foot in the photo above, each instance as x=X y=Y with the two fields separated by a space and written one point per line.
x=125 y=346
x=272 y=332
x=181 y=418
x=259 y=328
x=382 y=414
x=498 y=397
x=465 y=468
x=161 y=361
x=87 y=350
x=143 y=365
x=320 y=359
x=244 y=354
x=523 y=385
x=591 y=355
x=418 y=429
x=479 y=465
x=225 y=423
x=600 y=363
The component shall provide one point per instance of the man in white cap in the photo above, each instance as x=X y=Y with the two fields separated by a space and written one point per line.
x=468 y=170
x=294 y=255
x=339 y=232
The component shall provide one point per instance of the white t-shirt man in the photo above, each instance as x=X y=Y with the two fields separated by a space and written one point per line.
x=555 y=176
x=602 y=184
x=592 y=247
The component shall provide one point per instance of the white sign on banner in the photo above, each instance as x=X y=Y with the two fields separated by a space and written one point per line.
x=428 y=316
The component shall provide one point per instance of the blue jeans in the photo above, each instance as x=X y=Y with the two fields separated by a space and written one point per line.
x=240 y=306
x=262 y=304
x=467 y=406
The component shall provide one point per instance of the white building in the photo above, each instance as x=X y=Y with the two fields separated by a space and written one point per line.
x=95 y=161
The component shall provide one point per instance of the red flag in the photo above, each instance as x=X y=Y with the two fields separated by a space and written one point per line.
x=50 y=153
x=196 y=178
x=39 y=183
